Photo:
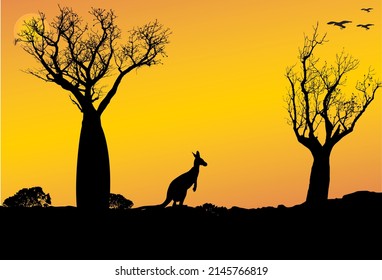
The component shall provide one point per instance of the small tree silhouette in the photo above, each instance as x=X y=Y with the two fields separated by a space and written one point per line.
x=317 y=103
x=28 y=197
x=118 y=201
x=76 y=57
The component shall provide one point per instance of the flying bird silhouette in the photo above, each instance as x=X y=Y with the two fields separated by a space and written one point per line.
x=366 y=26
x=340 y=23
x=367 y=9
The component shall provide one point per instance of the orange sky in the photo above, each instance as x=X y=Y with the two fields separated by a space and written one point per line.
x=220 y=91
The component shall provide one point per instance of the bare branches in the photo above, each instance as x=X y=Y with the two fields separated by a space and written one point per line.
x=75 y=103
x=357 y=105
x=316 y=96
x=76 y=55
x=101 y=44
x=303 y=106
x=310 y=44
x=36 y=40
x=145 y=47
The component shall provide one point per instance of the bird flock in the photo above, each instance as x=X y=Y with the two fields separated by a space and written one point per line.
x=341 y=24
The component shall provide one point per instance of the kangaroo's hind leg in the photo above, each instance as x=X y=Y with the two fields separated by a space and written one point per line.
x=182 y=198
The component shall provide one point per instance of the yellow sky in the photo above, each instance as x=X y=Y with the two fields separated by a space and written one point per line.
x=220 y=91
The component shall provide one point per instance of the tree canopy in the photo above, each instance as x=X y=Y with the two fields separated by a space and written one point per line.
x=317 y=97
x=77 y=55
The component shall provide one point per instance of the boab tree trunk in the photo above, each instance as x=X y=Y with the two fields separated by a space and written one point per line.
x=93 y=167
x=319 y=178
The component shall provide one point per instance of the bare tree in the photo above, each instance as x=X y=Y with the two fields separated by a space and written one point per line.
x=320 y=112
x=77 y=56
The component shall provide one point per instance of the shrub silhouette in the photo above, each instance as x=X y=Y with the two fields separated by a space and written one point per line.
x=213 y=209
x=28 y=197
x=118 y=201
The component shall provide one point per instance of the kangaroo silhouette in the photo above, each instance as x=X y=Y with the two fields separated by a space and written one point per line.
x=177 y=190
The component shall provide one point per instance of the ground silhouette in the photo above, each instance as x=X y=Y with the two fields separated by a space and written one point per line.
x=346 y=228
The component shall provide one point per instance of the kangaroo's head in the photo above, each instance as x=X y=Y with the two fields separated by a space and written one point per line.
x=198 y=160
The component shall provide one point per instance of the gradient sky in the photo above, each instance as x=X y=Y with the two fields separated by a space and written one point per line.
x=220 y=91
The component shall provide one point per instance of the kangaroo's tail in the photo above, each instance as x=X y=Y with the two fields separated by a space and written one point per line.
x=165 y=203
x=146 y=207
x=162 y=205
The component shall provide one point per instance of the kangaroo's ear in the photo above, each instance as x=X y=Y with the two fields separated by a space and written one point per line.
x=194 y=154
x=197 y=153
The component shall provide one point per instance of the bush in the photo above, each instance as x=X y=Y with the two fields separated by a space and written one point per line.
x=118 y=201
x=213 y=209
x=28 y=197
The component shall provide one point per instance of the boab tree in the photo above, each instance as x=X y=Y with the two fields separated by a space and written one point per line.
x=77 y=56
x=316 y=102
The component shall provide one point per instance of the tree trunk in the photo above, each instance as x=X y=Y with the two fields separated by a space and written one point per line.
x=93 y=168
x=319 y=178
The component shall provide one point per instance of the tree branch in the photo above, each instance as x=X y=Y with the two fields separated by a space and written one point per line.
x=316 y=96
x=145 y=47
x=77 y=57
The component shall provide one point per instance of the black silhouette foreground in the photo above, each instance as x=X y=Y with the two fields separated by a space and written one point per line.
x=177 y=189
x=340 y=24
x=366 y=26
x=346 y=228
